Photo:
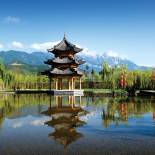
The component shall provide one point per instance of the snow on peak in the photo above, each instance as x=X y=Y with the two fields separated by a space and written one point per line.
x=111 y=54
x=115 y=55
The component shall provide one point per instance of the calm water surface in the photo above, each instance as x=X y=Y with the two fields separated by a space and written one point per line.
x=46 y=125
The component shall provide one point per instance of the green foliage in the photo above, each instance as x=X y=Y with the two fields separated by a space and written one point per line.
x=6 y=76
x=111 y=76
x=106 y=72
x=9 y=78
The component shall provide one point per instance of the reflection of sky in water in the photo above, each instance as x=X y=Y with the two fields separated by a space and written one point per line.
x=23 y=129
x=25 y=122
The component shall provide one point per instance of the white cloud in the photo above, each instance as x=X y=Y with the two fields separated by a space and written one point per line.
x=43 y=46
x=86 y=51
x=16 y=44
x=1 y=45
x=38 y=122
x=12 y=19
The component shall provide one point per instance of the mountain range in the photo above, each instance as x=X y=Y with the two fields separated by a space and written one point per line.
x=35 y=61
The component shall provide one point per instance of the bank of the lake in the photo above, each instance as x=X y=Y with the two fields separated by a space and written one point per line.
x=105 y=92
x=87 y=92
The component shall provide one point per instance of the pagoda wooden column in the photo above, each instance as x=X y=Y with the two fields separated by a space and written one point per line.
x=69 y=84
x=73 y=101
x=72 y=84
x=50 y=102
x=61 y=86
x=80 y=100
x=59 y=83
x=56 y=84
x=80 y=82
x=56 y=101
x=50 y=82
x=69 y=100
x=59 y=101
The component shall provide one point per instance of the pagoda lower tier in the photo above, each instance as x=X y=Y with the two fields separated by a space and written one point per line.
x=71 y=74
x=56 y=72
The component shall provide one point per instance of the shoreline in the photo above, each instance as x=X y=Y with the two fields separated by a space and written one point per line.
x=87 y=92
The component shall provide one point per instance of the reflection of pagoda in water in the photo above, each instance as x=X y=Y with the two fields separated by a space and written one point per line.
x=65 y=119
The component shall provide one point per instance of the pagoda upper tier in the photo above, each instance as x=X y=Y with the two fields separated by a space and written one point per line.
x=65 y=48
x=64 y=62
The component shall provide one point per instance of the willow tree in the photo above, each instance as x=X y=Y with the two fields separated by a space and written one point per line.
x=6 y=76
x=106 y=71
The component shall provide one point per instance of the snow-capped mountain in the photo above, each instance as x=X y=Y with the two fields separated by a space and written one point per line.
x=93 y=60
x=96 y=61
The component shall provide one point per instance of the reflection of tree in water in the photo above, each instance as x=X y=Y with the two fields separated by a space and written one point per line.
x=11 y=104
x=119 y=111
x=65 y=120
x=6 y=109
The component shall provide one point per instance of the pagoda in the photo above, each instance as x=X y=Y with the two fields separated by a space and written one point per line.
x=64 y=65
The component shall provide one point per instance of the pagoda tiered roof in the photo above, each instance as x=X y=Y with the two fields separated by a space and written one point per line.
x=64 y=60
x=63 y=109
x=65 y=122
x=65 y=45
x=65 y=137
x=63 y=72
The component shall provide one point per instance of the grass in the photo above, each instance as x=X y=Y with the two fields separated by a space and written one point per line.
x=98 y=90
x=105 y=91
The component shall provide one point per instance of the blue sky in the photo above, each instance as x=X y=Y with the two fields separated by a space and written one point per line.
x=123 y=27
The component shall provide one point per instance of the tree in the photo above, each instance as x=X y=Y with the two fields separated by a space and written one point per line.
x=105 y=71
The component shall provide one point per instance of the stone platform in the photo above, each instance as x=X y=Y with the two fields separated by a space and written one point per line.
x=67 y=92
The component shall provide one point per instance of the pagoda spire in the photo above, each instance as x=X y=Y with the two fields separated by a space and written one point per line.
x=64 y=36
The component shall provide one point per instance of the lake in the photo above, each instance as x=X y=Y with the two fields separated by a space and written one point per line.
x=41 y=124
